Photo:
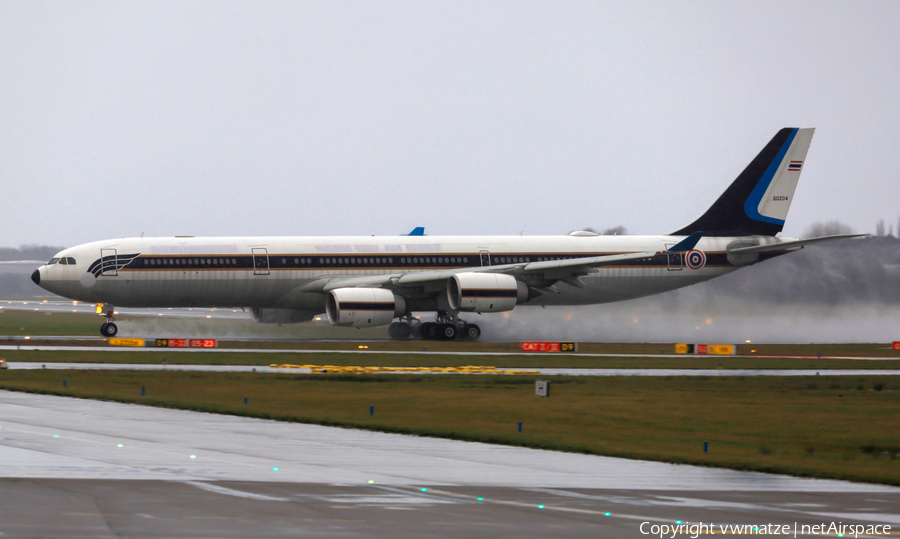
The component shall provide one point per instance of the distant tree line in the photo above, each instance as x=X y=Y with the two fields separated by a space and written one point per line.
x=29 y=252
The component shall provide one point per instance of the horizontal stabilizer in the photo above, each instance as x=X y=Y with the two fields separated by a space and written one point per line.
x=791 y=245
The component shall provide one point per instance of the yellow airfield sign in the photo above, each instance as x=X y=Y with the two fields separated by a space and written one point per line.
x=127 y=342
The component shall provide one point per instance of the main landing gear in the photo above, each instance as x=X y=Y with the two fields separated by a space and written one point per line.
x=109 y=328
x=446 y=327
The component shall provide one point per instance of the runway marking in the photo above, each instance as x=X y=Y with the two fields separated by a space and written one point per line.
x=232 y=492
x=544 y=507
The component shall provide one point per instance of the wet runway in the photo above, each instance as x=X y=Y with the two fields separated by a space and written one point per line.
x=23 y=365
x=82 y=468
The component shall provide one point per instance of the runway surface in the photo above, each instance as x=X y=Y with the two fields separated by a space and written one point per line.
x=27 y=365
x=82 y=468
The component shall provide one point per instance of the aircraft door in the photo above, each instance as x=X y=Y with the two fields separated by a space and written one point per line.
x=109 y=263
x=260 y=261
x=485 y=258
x=676 y=260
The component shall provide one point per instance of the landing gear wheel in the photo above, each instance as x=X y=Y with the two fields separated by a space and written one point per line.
x=472 y=331
x=399 y=330
x=109 y=329
x=429 y=331
x=447 y=331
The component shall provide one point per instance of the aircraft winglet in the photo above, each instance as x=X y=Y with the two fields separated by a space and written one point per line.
x=687 y=243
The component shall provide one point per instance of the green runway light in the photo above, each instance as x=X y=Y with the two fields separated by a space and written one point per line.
x=607 y=514
x=193 y=456
x=540 y=507
x=677 y=522
x=275 y=469
x=424 y=490
x=120 y=445
x=56 y=435
x=480 y=499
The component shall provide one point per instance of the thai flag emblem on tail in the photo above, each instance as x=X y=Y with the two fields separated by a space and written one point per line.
x=795 y=165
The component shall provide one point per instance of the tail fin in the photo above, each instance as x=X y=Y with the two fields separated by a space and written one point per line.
x=757 y=202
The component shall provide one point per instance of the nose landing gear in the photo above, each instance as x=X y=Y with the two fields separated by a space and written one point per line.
x=109 y=328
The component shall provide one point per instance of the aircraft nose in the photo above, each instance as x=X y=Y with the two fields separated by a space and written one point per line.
x=36 y=277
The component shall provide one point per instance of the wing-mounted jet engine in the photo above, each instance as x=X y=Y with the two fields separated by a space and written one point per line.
x=363 y=307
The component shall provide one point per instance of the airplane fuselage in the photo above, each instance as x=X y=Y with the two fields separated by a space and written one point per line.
x=272 y=272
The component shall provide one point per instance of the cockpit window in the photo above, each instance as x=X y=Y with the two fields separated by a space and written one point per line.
x=52 y=261
x=70 y=261
x=62 y=260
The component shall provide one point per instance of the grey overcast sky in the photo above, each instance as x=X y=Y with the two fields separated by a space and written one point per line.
x=341 y=117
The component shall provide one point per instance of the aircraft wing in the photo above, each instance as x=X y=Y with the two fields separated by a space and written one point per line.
x=567 y=270
x=562 y=270
x=791 y=245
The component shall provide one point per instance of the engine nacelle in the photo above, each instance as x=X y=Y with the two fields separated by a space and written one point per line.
x=485 y=292
x=363 y=307
x=280 y=316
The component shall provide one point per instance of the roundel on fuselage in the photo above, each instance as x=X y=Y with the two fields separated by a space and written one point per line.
x=696 y=259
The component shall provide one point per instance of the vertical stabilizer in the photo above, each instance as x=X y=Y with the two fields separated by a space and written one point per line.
x=757 y=202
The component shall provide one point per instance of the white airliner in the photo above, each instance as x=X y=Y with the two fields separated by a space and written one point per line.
x=374 y=281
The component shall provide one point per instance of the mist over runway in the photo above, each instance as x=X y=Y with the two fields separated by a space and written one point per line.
x=843 y=292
